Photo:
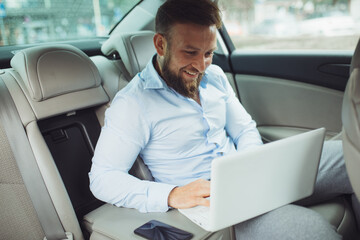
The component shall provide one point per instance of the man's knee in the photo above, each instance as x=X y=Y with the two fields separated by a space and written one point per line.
x=288 y=222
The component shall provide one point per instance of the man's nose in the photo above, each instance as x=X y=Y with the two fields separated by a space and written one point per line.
x=200 y=63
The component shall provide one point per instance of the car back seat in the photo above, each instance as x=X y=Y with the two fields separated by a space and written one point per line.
x=55 y=88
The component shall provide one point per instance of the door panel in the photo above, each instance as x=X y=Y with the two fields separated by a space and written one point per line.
x=274 y=102
x=289 y=94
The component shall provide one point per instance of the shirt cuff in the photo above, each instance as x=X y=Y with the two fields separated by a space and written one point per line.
x=158 y=197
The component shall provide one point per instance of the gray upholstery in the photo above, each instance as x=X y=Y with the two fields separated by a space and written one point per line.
x=351 y=122
x=339 y=213
x=54 y=79
x=18 y=219
x=42 y=68
x=58 y=79
x=140 y=170
x=109 y=222
x=355 y=61
x=113 y=78
x=135 y=49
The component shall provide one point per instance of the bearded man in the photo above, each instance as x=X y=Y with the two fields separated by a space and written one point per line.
x=179 y=114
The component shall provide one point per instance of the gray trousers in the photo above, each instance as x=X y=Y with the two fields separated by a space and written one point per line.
x=300 y=223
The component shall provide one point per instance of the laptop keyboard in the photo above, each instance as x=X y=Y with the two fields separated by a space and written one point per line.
x=199 y=215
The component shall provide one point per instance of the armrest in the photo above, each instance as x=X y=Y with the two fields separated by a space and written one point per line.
x=111 y=222
x=274 y=133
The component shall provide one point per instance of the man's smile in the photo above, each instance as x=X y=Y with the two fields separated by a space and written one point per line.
x=191 y=73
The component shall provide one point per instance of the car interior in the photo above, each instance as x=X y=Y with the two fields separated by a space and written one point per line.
x=54 y=96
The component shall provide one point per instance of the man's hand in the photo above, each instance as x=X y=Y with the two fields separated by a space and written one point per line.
x=190 y=195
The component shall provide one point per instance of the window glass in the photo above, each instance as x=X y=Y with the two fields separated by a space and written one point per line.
x=288 y=24
x=34 y=21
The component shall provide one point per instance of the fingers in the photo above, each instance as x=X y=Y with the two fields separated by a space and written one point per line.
x=190 y=195
x=202 y=187
x=204 y=202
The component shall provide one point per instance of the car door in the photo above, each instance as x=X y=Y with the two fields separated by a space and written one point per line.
x=286 y=91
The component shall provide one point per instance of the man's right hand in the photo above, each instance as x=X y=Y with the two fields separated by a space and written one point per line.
x=190 y=195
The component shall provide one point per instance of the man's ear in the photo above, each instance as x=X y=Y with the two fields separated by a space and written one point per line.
x=160 y=44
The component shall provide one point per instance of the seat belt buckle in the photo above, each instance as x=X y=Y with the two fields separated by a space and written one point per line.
x=69 y=236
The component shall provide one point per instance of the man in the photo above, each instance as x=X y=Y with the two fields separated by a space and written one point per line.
x=179 y=113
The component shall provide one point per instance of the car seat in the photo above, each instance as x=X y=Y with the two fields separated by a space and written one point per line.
x=351 y=122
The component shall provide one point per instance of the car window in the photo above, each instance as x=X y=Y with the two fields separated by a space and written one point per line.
x=35 y=21
x=288 y=24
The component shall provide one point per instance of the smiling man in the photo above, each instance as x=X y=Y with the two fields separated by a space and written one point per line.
x=184 y=55
x=179 y=114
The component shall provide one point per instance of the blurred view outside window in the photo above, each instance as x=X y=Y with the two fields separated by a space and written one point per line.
x=289 y=24
x=35 y=21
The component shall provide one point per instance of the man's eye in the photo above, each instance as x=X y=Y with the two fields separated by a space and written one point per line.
x=209 y=54
x=190 y=53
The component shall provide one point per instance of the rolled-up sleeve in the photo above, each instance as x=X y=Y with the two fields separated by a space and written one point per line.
x=124 y=134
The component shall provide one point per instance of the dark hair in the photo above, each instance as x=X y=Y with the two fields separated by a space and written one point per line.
x=202 y=12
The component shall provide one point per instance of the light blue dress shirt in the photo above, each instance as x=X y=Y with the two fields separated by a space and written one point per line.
x=176 y=137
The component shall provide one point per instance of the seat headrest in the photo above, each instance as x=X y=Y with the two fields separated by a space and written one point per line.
x=135 y=49
x=50 y=71
x=355 y=61
x=57 y=79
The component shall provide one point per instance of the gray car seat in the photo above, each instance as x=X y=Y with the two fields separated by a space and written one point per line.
x=47 y=83
x=351 y=122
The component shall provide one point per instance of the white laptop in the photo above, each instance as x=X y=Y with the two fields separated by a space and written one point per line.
x=255 y=181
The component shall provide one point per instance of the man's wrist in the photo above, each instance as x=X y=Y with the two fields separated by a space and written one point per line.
x=171 y=196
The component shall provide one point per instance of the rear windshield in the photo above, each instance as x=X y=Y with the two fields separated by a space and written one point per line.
x=36 y=21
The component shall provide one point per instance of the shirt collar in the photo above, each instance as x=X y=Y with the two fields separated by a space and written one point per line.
x=153 y=80
x=151 y=77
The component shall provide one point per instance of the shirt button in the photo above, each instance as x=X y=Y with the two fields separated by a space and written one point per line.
x=220 y=153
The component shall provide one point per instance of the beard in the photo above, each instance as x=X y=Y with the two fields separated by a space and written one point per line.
x=176 y=82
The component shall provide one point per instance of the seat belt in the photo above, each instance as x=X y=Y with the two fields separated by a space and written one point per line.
x=29 y=170
x=124 y=70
